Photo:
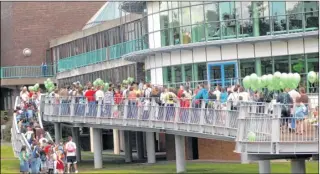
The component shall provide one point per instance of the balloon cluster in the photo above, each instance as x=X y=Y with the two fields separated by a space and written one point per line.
x=98 y=82
x=313 y=77
x=34 y=87
x=128 y=81
x=273 y=82
x=49 y=85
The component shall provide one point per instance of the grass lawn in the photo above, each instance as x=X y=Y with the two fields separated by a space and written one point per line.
x=114 y=164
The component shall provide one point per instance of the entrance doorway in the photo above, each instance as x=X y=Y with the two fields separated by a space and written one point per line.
x=223 y=74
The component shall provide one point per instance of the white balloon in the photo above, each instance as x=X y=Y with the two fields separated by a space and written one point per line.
x=297 y=77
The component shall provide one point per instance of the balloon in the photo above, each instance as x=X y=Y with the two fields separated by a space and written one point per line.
x=253 y=79
x=264 y=80
x=297 y=78
x=251 y=136
x=259 y=83
x=246 y=82
x=269 y=79
x=312 y=76
x=284 y=78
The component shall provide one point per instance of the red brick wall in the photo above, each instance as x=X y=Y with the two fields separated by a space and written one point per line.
x=217 y=150
x=33 y=24
x=208 y=149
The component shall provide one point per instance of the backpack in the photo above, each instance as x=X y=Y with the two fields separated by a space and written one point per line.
x=70 y=148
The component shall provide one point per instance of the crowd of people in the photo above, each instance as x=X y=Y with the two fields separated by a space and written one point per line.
x=44 y=155
x=49 y=157
x=295 y=103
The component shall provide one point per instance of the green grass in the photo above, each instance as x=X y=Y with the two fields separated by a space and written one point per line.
x=114 y=164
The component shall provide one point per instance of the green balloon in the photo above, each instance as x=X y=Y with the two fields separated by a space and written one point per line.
x=246 y=82
x=251 y=136
x=312 y=76
x=297 y=77
x=253 y=78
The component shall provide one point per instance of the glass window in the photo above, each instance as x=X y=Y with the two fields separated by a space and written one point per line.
x=281 y=64
x=311 y=15
x=197 y=14
x=298 y=63
x=294 y=11
x=188 y=72
x=167 y=77
x=148 y=76
x=186 y=34
x=277 y=14
x=247 y=67
x=177 y=74
x=185 y=16
x=183 y=4
x=266 y=65
x=227 y=18
x=174 y=24
x=294 y=7
x=163 y=5
x=202 y=72
x=212 y=21
x=313 y=62
x=245 y=9
x=164 y=24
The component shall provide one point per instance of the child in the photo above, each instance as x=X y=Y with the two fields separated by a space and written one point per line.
x=50 y=162
x=60 y=163
x=185 y=105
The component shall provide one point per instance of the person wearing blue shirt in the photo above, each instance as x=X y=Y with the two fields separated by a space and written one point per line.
x=223 y=96
x=203 y=93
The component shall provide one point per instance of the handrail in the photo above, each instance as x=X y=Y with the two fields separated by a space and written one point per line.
x=48 y=136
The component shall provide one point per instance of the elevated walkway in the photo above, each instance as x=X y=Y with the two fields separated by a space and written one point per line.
x=256 y=127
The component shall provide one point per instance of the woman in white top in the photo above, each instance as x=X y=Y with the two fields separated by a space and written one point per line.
x=234 y=97
x=243 y=95
x=217 y=92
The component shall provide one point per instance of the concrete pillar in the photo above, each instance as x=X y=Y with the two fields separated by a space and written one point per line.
x=139 y=145
x=298 y=166
x=76 y=139
x=122 y=141
x=57 y=132
x=180 y=153
x=264 y=166
x=151 y=153
x=91 y=139
x=127 y=147
x=97 y=139
x=116 y=143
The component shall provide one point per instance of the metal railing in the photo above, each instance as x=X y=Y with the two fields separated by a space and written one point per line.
x=251 y=123
x=27 y=71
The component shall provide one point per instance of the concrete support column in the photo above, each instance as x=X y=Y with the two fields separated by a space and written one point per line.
x=116 y=143
x=91 y=140
x=57 y=132
x=122 y=141
x=298 y=166
x=139 y=145
x=97 y=139
x=180 y=153
x=127 y=147
x=264 y=166
x=151 y=153
x=76 y=139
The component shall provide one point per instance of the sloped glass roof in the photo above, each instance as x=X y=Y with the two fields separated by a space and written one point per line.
x=109 y=11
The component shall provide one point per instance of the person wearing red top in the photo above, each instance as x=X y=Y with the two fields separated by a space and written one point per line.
x=91 y=101
x=30 y=94
x=48 y=147
x=185 y=105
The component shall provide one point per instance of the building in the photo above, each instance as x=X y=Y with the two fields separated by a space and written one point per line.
x=172 y=43
x=30 y=26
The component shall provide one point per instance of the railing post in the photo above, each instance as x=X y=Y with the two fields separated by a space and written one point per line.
x=190 y=114
x=275 y=128
x=164 y=116
x=72 y=108
x=86 y=110
x=139 y=107
x=243 y=111
x=177 y=115
x=202 y=115
x=125 y=112
x=152 y=112
x=99 y=111
x=227 y=121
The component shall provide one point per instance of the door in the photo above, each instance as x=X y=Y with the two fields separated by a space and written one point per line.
x=223 y=74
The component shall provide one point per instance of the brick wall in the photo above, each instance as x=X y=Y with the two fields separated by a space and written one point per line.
x=217 y=150
x=208 y=149
x=33 y=24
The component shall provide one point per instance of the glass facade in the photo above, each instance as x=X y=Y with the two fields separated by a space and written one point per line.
x=190 y=22
x=197 y=73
